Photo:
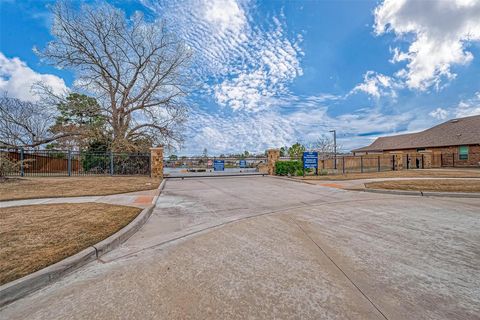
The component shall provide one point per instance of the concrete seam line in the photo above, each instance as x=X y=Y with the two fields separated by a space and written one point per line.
x=28 y=284
x=341 y=270
x=218 y=226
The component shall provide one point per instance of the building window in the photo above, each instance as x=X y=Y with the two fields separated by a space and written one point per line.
x=463 y=153
x=420 y=149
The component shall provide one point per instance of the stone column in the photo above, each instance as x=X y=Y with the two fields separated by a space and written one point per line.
x=398 y=160
x=427 y=159
x=156 y=162
x=272 y=157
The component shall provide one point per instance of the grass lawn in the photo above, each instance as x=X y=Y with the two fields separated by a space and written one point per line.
x=45 y=187
x=450 y=185
x=434 y=173
x=33 y=237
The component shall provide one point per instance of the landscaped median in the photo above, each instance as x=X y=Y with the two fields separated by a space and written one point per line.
x=42 y=242
x=49 y=187
x=419 y=173
x=428 y=185
x=34 y=237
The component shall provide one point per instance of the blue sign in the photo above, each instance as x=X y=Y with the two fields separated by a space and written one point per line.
x=218 y=165
x=243 y=163
x=310 y=160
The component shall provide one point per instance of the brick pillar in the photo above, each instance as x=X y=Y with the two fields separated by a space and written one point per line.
x=398 y=161
x=156 y=162
x=427 y=159
x=272 y=157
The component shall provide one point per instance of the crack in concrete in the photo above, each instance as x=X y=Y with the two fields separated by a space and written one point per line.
x=339 y=268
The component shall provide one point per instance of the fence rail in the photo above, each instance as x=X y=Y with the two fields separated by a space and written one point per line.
x=330 y=164
x=76 y=163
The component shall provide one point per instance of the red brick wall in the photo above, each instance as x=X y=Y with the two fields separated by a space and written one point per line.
x=445 y=156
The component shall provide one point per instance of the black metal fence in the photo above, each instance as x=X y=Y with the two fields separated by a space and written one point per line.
x=75 y=163
x=331 y=164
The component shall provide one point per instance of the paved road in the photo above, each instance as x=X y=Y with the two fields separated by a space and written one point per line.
x=260 y=247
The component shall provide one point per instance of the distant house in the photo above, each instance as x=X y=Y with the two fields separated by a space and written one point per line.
x=458 y=140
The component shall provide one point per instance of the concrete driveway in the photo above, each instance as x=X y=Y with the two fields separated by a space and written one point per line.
x=261 y=247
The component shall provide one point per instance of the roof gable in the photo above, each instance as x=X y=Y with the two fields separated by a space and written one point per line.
x=461 y=131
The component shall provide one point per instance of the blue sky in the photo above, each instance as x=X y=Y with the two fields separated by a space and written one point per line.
x=271 y=73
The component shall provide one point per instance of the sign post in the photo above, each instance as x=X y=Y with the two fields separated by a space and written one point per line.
x=243 y=163
x=310 y=161
x=218 y=165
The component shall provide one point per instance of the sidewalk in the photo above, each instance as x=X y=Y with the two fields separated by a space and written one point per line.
x=139 y=199
x=359 y=184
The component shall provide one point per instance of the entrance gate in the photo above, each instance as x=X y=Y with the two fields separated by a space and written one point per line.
x=189 y=167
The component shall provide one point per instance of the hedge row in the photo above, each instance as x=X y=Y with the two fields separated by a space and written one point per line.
x=292 y=167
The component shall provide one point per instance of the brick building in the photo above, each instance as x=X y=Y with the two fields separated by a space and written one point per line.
x=454 y=143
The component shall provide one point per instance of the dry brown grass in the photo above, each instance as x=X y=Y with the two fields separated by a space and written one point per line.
x=423 y=173
x=33 y=237
x=443 y=185
x=45 y=187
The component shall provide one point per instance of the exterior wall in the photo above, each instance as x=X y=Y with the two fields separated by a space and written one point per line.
x=437 y=157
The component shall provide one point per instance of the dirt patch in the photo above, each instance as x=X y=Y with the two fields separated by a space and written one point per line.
x=441 y=185
x=34 y=237
x=46 y=187
x=433 y=173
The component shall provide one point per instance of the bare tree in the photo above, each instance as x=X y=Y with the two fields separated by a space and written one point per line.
x=324 y=145
x=134 y=68
x=25 y=124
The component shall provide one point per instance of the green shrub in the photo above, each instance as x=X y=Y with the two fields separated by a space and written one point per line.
x=292 y=167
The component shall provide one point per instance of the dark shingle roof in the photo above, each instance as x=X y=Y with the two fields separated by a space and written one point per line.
x=461 y=131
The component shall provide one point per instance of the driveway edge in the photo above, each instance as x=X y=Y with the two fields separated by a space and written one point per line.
x=19 y=288
x=422 y=193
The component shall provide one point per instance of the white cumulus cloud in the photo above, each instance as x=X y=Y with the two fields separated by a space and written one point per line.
x=439 y=113
x=376 y=85
x=440 y=32
x=16 y=78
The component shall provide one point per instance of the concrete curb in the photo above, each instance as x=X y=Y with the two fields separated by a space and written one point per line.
x=422 y=193
x=19 y=288
x=122 y=235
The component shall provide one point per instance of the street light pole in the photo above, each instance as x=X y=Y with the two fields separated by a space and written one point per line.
x=334 y=147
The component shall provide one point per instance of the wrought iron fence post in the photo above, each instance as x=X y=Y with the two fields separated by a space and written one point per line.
x=21 y=162
x=378 y=163
x=361 y=164
x=69 y=163
x=343 y=164
x=111 y=163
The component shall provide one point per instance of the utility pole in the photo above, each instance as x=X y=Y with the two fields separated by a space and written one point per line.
x=334 y=147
